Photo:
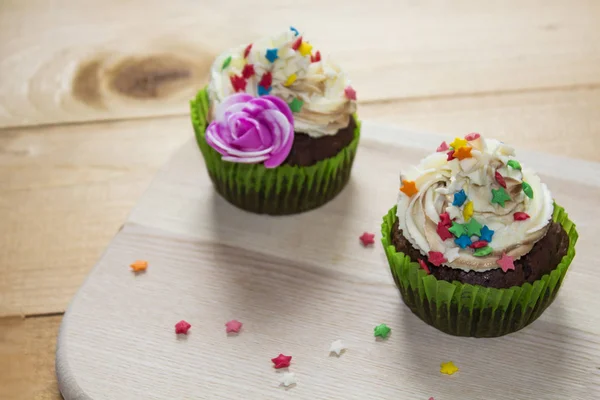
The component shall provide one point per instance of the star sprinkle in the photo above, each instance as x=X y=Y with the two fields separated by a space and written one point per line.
x=445 y=219
x=520 y=216
x=527 y=189
x=451 y=254
x=248 y=71
x=458 y=143
x=500 y=179
x=296 y=105
x=506 y=263
x=478 y=244
x=448 y=368
x=367 y=239
x=486 y=234
x=436 y=258
x=463 y=152
x=337 y=347
x=305 y=48
x=238 y=83
x=458 y=229
x=442 y=147
x=271 y=55
x=514 y=164
x=424 y=266
x=482 y=252
x=281 y=361
x=459 y=198
x=247 y=50
x=472 y=136
x=291 y=79
x=443 y=232
x=233 y=326
x=226 y=63
x=499 y=196
x=297 y=43
x=266 y=80
x=350 y=93
x=473 y=227
x=409 y=188
x=139 y=266
x=288 y=379
x=316 y=57
x=264 y=91
x=182 y=327
x=296 y=33
x=468 y=210
x=463 y=242
x=382 y=330
x=450 y=155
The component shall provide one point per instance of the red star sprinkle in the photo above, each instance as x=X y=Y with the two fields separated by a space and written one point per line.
x=233 y=326
x=450 y=155
x=472 y=136
x=248 y=71
x=506 y=263
x=297 y=43
x=350 y=93
x=445 y=219
x=247 y=50
x=182 y=327
x=367 y=238
x=424 y=266
x=436 y=258
x=238 y=83
x=478 y=244
x=266 y=80
x=520 y=216
x=443 y=232
x=500 y=179
x=442 y=147
x=281 y=361
x=316 y=57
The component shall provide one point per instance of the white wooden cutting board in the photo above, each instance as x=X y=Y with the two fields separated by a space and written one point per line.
x=300 y=282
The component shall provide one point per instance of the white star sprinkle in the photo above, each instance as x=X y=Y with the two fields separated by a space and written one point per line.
x=288 y=379
x=337 y=347
x=451 y=254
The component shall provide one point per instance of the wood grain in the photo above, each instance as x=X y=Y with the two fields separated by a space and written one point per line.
x=149 y=60
x=297 y=292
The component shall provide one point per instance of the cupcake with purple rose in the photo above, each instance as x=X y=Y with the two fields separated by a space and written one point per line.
x=277 y=126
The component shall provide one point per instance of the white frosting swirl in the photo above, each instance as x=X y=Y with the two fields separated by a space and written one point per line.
x=438 y=179
x=320 y=85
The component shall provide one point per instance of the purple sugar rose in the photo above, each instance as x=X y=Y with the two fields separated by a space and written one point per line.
x=249 y=129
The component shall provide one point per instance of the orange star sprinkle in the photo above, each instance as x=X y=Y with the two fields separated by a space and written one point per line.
x=463 y=152
x=139 y=266
x=409 y=188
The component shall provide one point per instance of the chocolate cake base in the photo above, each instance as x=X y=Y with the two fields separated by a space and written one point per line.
x=545 y=255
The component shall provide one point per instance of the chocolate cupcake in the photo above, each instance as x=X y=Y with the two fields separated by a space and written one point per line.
x=277 y=126
x=476 y=244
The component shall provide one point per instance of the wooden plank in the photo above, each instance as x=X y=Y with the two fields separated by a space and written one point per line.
x=149 y=60
x=27 y=358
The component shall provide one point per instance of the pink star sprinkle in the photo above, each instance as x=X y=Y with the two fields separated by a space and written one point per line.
x=450 y=155
x=520 y=216
x=182 y=327
x=472 y=136
x=442 y=147
x=506 y=263
x=424 y=266
x=445 y=219
x=443 y=232
x=350 y=93
x=281 y=361
x=233 y=326
x=436 y=258
x=367 y=238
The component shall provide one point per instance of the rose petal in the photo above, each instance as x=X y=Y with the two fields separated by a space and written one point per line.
x=213 y=138
x=249 y=141
x=281 y=106
x=278 y=124
x=257 y=105
x=265 y=136
x=239 y=98
x=245 y=160
x=278 y=158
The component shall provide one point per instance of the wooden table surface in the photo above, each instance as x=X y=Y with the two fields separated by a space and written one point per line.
x=93 y=100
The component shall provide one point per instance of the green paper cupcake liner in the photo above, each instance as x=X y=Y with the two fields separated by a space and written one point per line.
x=470 y=310
x=276 y=191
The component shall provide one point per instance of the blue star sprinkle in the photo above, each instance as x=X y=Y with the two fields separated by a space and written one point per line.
x=459 y=198
x=271 y=55
x=262 y=91
x=486 y=234
x=296 y=33
x=463 y=241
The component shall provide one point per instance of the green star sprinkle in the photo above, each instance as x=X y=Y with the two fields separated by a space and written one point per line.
x=296 y=105
x=382 y=331
x=527 y=189
x=481 y=252
x=473 y=227
x=499 y=196
x=514 y=164
x=458 y=229
x=226 y=63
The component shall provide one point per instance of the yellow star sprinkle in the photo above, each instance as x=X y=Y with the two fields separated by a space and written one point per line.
x=305 y=49
x=468 y=210
x=291 y=79
x=448 y=368
x=458 y=143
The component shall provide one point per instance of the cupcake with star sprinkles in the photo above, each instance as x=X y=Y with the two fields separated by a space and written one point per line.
x=476 y=243
x=277 y=126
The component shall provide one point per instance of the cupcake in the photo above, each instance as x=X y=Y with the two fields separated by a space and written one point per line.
x=476 y=244
x=277 y=126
